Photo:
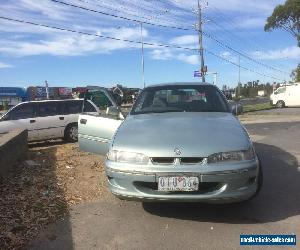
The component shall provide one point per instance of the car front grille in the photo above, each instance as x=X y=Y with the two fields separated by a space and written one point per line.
x=163 y=160
x=171 y=160
x=191 y=160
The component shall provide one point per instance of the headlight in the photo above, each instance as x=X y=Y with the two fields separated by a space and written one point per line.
x=127 y=157
x=233 y=156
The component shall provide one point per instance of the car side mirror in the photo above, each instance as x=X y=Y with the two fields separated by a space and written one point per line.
x=234 y=110
x=115 y=112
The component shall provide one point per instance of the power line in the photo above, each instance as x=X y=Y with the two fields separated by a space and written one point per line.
x=241 y=53
x=230 y=23
x=120 y=17
x=130 y=41
x=237 y=65
x=96 y=35
x=121 y=7
x=172 y=27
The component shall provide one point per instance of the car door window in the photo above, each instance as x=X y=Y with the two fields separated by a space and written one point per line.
x=280 y=91
x=100 y=99
x=48 y=109
x=23 y=111
x=88 y=107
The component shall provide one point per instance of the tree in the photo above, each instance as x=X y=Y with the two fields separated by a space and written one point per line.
x=296 y=74
x=286 y=17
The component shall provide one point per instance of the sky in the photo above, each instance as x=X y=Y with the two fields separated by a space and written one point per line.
x=30 y=54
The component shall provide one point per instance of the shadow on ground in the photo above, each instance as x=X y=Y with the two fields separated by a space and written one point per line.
x=278 y=199
x=31 y=197
x=46 y=143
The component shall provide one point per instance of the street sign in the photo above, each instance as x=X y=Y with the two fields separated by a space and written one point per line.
x=197 y=73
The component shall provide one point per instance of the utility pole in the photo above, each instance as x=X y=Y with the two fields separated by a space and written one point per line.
x=200 y=40
x=215 y=78
x=239 y=83
x=47 y=89
x=143 y=61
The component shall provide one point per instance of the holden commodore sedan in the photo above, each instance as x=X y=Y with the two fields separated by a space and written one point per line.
x=180 y=142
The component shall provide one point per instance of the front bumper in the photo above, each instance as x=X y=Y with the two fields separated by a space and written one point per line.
x=224 y=183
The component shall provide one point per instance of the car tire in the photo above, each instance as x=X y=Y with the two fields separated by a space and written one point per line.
x=280 y=104
x=71 y=133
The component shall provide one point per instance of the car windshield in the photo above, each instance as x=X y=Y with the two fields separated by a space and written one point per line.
x=180 y=98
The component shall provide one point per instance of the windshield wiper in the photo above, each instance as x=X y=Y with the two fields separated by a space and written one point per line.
x=168 y=110
x=159 y=111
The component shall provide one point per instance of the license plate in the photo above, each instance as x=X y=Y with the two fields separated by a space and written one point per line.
x=178 y=183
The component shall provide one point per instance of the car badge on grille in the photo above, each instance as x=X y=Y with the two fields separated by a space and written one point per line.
x=177 y=151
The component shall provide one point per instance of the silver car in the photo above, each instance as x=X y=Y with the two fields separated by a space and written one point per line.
x=180 y=142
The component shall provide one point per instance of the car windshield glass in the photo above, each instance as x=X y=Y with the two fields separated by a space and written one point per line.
x=180 y=98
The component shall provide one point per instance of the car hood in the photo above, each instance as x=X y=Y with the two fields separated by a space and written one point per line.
x=195 y=134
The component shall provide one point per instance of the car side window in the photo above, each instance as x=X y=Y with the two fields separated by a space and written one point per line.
x=48 y=109
x=88 y=107
x=100 y=99
x=73 y=107
x=23 y=111
x=280 y=91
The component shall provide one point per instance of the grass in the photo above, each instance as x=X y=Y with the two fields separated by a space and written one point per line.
x=257 y=107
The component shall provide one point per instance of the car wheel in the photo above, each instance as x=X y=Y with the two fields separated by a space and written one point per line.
x=71 y=133
x=280 y=104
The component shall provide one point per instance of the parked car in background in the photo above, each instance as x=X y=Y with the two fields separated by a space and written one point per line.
x=286 y=96
x=180 y=142
x=48 y=119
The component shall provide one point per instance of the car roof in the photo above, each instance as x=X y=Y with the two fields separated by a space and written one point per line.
x=179 y=84
x=41 y=101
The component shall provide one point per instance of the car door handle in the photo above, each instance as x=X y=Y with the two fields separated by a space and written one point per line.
x=83 y=121
x=61 y=118
x=32 y=121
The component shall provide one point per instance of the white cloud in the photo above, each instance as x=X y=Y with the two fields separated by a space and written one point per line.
x=184 y=40
x=286 y=53
x=168 y=54
x=190 y=59
x=62 y=44
x=161 y=54
x=229 y=56
x=4 y=65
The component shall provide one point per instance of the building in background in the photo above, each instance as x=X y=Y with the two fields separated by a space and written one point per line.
x=261 y=93
x=11 y=96
x=39 y=93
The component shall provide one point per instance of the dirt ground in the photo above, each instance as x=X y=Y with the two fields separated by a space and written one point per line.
x=54 y=177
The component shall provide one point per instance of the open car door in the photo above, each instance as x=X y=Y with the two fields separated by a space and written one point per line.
x=96 y=131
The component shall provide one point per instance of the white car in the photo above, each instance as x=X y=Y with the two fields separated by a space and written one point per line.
x=286 y=96
x=48 y=119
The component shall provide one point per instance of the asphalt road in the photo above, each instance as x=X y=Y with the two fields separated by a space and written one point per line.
x=133 y=225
